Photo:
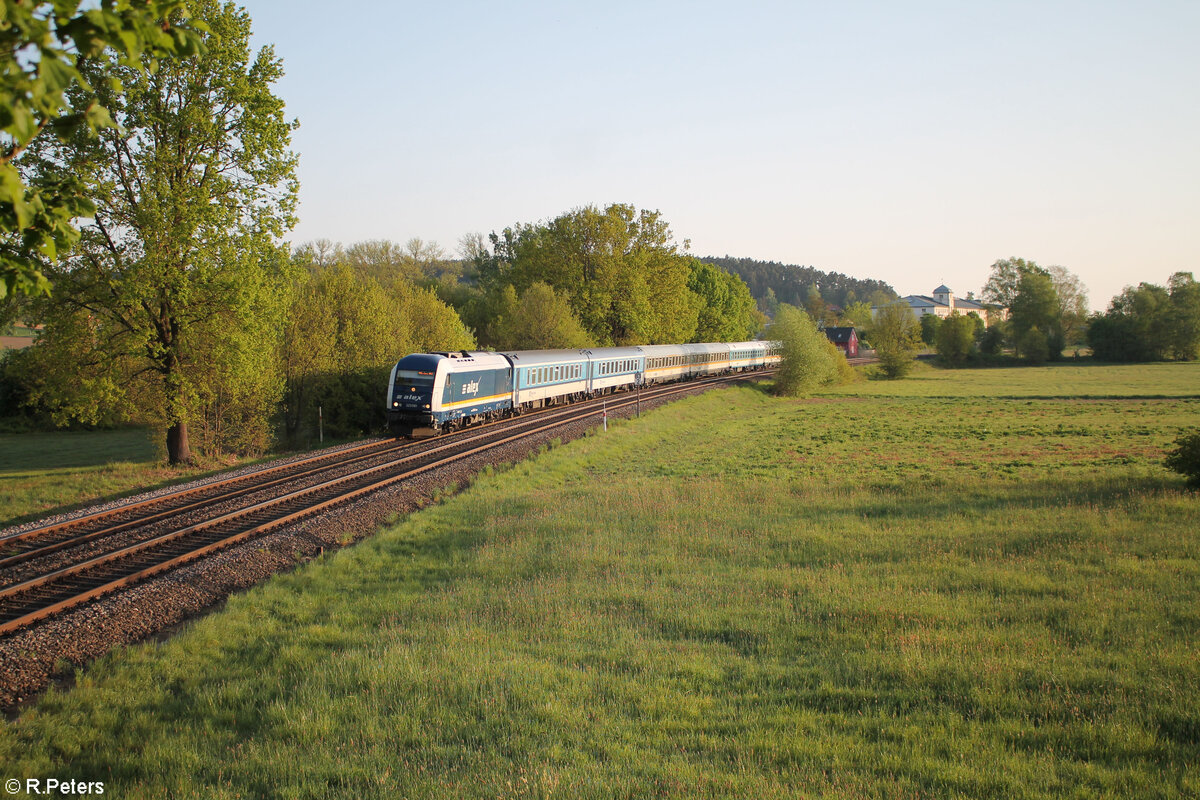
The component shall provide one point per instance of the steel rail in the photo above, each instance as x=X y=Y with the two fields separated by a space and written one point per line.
x=93 y=516
x=209 y=497
x=78 y=573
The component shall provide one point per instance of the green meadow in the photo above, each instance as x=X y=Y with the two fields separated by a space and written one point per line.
x=45 y=473
x=969 y=584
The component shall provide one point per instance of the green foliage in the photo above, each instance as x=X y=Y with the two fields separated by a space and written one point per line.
x=1004 y=282
x=1035 y=316
x=620 y=268
x=991 y=341
x=1150 y=323
x=858 y=314
x=1185 y=458
x=807 y=361
x=1073 y=304
x=930 y=324
x=956 y=339
x=1053 y=300
x=896 y=336
x=175 y=294
x=1033 y=345
x=343 y=332
x=771 y=283
x=727 y=311
x=540 y=319
x=416 y=262
x=44 y=94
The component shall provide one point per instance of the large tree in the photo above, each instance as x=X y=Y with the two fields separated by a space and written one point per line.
x=955 y=339
x=1036 y=316
x=1072 y=304
x=539 y=319
x=193 y=191
x=727 y=311
x=1150 y=323
x=1036 y=311
x=626 y=279
x=44 y=95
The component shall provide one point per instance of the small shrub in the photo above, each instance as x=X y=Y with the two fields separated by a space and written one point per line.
x=808 y=356
x=1185 y=458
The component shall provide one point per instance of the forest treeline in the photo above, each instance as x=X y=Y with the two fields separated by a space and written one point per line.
x=771 y=283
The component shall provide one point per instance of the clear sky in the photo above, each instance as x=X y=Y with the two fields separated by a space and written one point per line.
x=913 y=142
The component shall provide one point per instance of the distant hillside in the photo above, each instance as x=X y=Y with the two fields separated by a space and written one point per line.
x=791 y=282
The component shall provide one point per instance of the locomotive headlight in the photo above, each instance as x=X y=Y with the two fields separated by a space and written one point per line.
x=395 y=403
x=427 y=405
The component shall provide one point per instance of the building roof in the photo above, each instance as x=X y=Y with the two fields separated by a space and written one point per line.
x=920 y=300
x=943 y=289
x=840 y=335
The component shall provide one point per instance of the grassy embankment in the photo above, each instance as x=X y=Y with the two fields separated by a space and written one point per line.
x=44 y=473
x=904 y=589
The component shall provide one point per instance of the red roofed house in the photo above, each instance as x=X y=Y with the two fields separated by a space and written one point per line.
x=845 y=338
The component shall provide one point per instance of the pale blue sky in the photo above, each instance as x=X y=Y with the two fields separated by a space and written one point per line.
x=912 y=142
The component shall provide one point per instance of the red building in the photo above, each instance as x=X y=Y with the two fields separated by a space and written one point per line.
x=844 y=338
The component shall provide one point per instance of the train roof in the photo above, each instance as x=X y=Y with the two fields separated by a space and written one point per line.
x=657 y=350
x=706 y=347
x=536 y=358
x=615 y=352
x=467 y=360
x=420 y=362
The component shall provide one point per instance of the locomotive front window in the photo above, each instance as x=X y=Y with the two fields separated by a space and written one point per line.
x=414 y=378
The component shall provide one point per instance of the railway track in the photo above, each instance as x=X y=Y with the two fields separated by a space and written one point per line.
x=40 y=593
x=44 y=540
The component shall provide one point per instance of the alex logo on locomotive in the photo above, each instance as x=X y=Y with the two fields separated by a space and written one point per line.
x=471 y=388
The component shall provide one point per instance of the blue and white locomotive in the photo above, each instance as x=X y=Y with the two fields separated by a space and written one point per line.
x=431 y=392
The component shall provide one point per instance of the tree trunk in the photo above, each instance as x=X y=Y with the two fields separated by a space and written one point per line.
x=178 y=449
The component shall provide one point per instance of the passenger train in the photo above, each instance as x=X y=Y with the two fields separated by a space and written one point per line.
x=433 y=392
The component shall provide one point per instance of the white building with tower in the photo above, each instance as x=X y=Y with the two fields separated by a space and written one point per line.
x=943 y=303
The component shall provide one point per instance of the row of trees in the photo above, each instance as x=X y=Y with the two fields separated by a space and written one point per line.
x=179 y=305
x=613 y=276
x=1150 y=323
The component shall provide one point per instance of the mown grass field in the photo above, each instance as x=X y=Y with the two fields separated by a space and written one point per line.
x=906 y=589
x=42 y=473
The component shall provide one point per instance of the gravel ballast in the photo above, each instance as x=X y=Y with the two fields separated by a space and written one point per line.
x=31 y=658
